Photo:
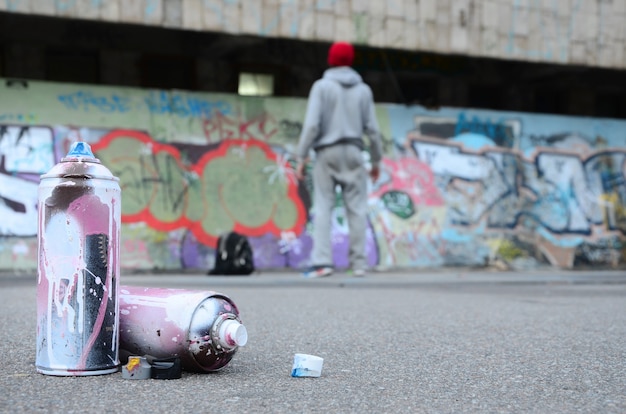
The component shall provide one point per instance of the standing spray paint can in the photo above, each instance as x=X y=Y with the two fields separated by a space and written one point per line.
x=202 y=328
x=78 y=269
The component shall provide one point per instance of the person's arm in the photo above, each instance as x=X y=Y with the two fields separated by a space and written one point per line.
x=310 y=129
x=372 y=131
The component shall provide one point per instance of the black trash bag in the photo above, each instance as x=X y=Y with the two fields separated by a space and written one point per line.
x=233 y=255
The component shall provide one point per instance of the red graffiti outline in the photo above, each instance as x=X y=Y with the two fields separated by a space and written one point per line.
x=145 y=215
x=184 y=222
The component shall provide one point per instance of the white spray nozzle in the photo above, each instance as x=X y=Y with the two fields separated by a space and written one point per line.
x=232 y=334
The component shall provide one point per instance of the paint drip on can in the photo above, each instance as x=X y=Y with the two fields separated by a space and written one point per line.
x=78 y=268
x=202 y=328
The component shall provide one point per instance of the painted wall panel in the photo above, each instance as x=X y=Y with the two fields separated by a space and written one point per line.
x=459 y=187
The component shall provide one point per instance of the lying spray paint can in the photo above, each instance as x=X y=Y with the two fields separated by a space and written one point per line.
x=202 y=328
x=79 y=233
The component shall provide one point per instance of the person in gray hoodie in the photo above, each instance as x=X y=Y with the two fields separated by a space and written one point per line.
x=340 y=111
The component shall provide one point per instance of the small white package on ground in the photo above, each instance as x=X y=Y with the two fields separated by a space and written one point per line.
x=305 y=365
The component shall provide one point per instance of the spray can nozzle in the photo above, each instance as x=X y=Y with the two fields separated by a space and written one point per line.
x=80 y=149
x=231 y=334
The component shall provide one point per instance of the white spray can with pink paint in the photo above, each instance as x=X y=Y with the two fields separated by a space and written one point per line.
x=202 y=328
x=78 y=269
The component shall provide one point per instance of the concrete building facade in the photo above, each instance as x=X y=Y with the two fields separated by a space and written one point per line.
x=586 y=32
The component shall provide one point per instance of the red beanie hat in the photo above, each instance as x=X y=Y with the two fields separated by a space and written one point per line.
x=341 y=54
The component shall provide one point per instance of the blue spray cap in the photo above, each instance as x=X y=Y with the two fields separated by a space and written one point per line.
x=80 y=149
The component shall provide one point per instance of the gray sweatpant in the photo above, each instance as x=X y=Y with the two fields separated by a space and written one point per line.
x=343 y=165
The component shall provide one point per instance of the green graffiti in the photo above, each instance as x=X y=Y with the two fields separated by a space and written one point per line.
x=153 y=181
x=399 y=203
x=247 y=188
x=507 y=250
x=241 y=185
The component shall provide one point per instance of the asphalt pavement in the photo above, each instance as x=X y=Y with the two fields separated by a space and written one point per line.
x=449 y=341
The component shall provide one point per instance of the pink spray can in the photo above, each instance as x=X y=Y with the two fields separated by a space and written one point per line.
x=202 y=328
x=78 y=269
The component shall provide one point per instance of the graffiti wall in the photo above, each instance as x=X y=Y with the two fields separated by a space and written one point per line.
x=459 y=187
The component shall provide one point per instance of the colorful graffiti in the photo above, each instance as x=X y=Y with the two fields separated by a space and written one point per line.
x=559 y=191
x=457 y=188
x=242 y=185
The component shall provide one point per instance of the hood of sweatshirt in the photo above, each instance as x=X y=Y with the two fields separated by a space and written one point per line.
x=345 y=75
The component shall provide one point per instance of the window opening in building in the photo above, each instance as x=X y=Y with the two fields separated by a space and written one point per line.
x=256 y=84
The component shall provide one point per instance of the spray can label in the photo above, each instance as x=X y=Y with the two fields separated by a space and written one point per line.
x=77 y=303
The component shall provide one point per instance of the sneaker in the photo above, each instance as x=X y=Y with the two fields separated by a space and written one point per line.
x=318 y=271
x=358 y=273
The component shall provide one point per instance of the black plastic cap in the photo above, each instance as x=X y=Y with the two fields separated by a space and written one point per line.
x=166 y=368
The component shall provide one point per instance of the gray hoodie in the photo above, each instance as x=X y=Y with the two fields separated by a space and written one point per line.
x=340 y=107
